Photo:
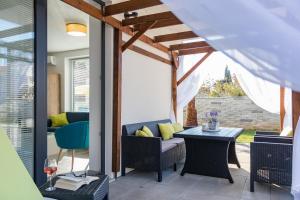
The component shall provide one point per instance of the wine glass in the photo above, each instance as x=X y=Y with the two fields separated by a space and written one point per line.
x=50 y=167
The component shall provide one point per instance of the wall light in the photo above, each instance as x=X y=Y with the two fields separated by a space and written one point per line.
x=75 y=29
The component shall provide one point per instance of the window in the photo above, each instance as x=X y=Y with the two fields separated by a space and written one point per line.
x=80 y=84
x=16 y=77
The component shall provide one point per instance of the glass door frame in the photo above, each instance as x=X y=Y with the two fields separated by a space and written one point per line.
x=40 y=90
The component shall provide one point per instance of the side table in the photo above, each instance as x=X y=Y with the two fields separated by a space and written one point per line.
x=97 y=190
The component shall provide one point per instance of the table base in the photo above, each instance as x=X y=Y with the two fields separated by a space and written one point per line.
x=209 y=157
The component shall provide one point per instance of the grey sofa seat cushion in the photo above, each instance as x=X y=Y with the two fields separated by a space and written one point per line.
x=177 y=140
x=167 y=145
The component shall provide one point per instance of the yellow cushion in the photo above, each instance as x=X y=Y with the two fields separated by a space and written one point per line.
x=59 y=120
x=141 y=133
x=177 y=127
x=148 y=131
x=166 y=131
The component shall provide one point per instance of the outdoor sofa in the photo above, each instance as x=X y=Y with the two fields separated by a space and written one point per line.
x=271 y=159
x=150 y=153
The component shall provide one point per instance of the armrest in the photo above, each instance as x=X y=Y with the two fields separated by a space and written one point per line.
x=275 y=139
x=141 y=145
x=270 y=133
x=137 y=150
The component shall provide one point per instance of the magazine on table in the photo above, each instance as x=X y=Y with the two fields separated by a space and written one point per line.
x=74 y=183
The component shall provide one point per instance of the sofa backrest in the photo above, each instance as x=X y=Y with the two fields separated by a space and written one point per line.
x=77 y=116
x=130 y=129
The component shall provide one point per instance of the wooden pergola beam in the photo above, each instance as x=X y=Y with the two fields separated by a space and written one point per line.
x=129 y=6
x=149 y=54
x=295 y=108
x=160 y=24
x=148 y=18
x=117 y=101
x=175 y=36
x=195 y=51
x=191 y=45
x=138 y=35
x=188 y=73
x=174 y=81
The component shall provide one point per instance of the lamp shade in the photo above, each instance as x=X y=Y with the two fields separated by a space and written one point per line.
x=75 y=29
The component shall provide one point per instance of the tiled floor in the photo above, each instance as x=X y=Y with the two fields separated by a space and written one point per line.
x=80 y=162
x=143 y=186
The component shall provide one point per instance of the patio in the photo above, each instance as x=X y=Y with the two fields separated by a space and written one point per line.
x=143 y=185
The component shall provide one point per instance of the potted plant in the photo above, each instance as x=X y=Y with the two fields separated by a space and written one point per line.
x=212 y=120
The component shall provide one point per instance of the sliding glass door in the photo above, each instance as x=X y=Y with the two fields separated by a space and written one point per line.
x=18 y=78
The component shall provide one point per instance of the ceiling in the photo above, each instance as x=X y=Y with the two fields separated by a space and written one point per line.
x=59 y=14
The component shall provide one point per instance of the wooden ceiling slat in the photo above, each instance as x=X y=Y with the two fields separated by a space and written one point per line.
x=137 y=35
x=175 y=36
x=160 y=24
x=148 y=18
x=188 y=73
x=195 y=51
x=188 y=45
x=129 y=6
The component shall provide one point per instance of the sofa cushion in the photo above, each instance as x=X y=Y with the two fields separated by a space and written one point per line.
x=141 y=133
x=166 y=131
x=52 y=129
x=77 y=116
x=167 y=145
x=177 y=127
x=59 y=120
x=130 y=129
x=177 y=140
x=148 y=131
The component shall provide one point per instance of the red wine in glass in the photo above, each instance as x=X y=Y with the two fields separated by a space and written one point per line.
x=50 y=167
x=50 y=170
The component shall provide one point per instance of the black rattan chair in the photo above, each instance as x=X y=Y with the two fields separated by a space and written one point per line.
x=271 y=159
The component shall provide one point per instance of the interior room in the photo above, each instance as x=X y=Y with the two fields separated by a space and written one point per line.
x=68 y=86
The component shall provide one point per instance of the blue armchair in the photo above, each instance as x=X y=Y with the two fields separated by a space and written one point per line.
x=72 y=136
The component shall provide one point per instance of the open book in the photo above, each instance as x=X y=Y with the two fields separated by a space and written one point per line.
x=73 y=183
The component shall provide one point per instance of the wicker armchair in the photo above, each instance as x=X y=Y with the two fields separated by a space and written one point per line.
x=271 y=159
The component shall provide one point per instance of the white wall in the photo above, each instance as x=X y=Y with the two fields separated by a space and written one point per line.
x=146 y=91
x=63 y=68
x=146 y=88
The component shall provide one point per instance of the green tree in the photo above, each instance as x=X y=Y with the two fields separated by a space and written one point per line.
x=227 y=75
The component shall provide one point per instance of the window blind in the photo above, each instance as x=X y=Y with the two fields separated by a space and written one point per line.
x=80 y=84
x=16 y=76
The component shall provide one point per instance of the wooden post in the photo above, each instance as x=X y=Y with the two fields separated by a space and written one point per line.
x=174 y=82
x=282 y=110
x=117 y=100
x=191 y=113
x=295 y=108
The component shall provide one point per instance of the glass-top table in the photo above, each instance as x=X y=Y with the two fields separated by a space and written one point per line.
x=208 y=153
x=224 y=133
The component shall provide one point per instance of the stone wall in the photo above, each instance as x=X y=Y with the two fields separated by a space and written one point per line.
x=237 y=112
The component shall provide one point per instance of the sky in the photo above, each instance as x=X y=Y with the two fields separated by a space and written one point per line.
x=212 y=68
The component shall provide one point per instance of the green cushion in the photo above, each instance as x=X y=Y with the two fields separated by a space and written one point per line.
x=177 y=127
x=15 y=181
x=59 y=120
x=141 y=133
x=166 y=131
x=148 y=131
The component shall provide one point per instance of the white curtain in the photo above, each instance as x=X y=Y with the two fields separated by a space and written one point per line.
x=262 y=35
x=296 y=164
x=263 y=93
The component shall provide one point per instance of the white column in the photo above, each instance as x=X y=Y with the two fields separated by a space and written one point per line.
x=95 y=95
